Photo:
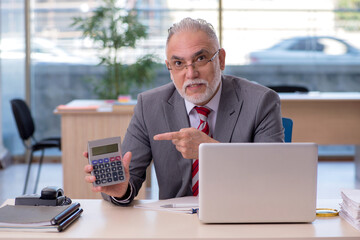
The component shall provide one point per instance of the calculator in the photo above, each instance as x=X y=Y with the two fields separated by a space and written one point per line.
x=105 y=157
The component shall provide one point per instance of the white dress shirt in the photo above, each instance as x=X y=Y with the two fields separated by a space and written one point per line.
x=213 y=104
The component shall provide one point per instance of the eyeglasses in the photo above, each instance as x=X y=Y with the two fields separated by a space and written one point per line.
x=200 y=61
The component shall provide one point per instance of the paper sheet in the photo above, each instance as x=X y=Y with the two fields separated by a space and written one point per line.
x=350 y=207
x=352 y=196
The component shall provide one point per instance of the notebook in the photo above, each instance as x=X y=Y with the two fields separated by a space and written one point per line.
x=38 y=218
x=257 y=182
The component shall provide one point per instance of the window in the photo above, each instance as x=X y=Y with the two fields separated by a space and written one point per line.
x=257 y=35
x=12 y=68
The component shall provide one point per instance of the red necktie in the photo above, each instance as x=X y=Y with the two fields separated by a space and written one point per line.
x=204 y=127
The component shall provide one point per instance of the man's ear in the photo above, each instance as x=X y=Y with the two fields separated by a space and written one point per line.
x=222 y=55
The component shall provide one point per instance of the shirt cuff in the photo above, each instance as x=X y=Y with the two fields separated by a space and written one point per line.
x=126 y=199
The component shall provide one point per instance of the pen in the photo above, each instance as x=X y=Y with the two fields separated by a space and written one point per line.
x=194 y=210
x=180 y=205
x=69 y=220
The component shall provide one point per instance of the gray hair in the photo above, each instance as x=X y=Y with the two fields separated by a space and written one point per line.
x=189 y=24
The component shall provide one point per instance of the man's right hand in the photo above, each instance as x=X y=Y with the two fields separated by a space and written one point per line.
x=116 y=190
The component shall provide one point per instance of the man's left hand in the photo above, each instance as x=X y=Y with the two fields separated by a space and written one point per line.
x=187 y=141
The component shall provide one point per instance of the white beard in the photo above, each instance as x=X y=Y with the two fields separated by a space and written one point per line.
x=209 y=92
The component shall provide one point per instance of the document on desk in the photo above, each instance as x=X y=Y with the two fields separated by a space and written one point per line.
x=38 y=218
x=350 y=207
x=187 y=204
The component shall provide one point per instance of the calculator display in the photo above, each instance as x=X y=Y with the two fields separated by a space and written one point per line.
x=104 y=149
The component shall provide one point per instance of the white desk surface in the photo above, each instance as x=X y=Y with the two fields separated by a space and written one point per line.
x=102 y=220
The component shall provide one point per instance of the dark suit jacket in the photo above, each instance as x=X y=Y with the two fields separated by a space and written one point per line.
x=248 y=112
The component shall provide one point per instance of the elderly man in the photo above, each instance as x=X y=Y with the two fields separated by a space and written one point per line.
x=200 y=106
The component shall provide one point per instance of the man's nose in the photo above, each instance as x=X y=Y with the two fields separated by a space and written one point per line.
x=191 y=71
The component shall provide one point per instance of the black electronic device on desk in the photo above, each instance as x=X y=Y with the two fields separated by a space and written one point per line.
x=50 y=196
x=105 y=157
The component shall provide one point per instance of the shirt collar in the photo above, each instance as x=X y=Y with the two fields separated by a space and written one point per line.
x=213 y=104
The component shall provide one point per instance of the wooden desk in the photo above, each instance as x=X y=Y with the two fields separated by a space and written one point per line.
x=102 y=220
x=324 y=118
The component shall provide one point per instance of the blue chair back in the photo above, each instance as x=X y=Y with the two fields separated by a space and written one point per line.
x=288 y=126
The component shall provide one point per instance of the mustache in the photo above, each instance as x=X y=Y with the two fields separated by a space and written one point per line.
x=194 y=81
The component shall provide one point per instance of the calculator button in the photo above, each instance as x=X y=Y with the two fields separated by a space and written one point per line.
x=109 y=179
x=106 y=160
x=95 y=167
x=97 y=182
x=118 y=163
x=108 y=175
x=108 y=170
x=112 y=159
x=121 y=177
x=103 y=181
x=102 y=170
x=107 y=165
x=113 y=164
x=102 y=175
x=100 y=161
x=115 y=179
x=101 y=165
x=93 y=162
x=97 y=177
x=96 y=172
x=114 y=174
x=121 y=173
x=113 y=169
x=119 y=168
x=118 y=158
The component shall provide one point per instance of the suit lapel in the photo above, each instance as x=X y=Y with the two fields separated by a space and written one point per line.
x=228 y=112
x=177 y=118
x=175 y=113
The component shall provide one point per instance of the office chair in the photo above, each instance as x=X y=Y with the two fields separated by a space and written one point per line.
x=288 y=126
x=289 y=89
x=26 y=128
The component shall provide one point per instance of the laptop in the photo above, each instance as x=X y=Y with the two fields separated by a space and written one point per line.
x=257 y=182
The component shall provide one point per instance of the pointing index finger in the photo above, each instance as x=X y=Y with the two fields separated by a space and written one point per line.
x=167 y=136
